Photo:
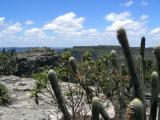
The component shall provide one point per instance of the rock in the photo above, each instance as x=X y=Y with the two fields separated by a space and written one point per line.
x=36 y=60
x=23 y=107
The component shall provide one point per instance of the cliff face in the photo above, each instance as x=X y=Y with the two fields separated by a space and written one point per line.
x=27 y=62
x=35 y=61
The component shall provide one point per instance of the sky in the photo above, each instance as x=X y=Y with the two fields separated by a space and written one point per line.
x=67 y=23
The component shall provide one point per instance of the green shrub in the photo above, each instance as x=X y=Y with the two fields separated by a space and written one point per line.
x=4 y=96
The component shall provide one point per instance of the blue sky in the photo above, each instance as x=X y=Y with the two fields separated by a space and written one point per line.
x=65 y=23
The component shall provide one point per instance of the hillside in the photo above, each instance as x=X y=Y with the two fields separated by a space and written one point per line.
x=98 y=51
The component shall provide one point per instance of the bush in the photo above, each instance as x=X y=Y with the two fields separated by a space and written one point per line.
x=4 y=96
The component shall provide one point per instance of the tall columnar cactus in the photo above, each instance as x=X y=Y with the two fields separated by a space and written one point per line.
x=142 y=48
x=135 y=110
x=114 y=59
x=157 y=54
x=140 y=73
x=122 y=103
x=97 y=108
x=58 y=93
x=73 y=65
x=122 y=37
x=154 y=97
x=74 y=68
x=123 y=70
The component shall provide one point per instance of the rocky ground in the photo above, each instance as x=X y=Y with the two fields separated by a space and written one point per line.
x=23 y=107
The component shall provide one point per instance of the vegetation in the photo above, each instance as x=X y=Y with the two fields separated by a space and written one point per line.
x=4 y=96
x=8 y=63
x=105 y=76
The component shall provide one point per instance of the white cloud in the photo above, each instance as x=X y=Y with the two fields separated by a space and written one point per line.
x=127 y=3
x=29 y=22
x=2 y=19
x=69 y=30
x=118 y=16
x=34 y=32
x=14 y=28
x=68 y=22
x=155 y=31
x=144 y=3
x=144 y=17
x=136 y=28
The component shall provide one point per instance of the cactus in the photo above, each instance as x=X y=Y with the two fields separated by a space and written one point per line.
x=154 y=97
x=122 y=103
x=122 y=37
x=97 y=108
x=135 y=110
x=114 y=59
x=123 y=70
x=73 y=65
x=58 y=93
x=142 y=53
x=157 y=54
x=74 y=68
x=140 y=72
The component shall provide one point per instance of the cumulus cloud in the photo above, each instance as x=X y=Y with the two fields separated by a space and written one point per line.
x=2 y=19
x=125 y=20
x=136 y=28
x=29 y=22
x=144 y=17
x=111 y=17
x=34 y=32
x=68 y=22
x=127 y=3
x=156 y=31
x=69 y=30
x=144 y=3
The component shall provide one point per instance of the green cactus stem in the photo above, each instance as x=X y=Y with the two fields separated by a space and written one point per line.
x=122 y=103
x=140 y=72
x=58 y=93
x=81 y=81
x=114 y=59
x=154 y=97
x=135 y=110
x=157 y=54
x=122 y=37
x=97 y=108
x=142 y=48
x=73 y=65
x=123 y=70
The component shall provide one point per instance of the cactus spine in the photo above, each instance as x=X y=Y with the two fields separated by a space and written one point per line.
x=97 y=108
x=122 y=37
x=154 y=97
x=135 y=110
x=58 y=93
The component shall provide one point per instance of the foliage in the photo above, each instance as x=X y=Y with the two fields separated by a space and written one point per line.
x=41 y=83
x=8 y=63
x=4 y=96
